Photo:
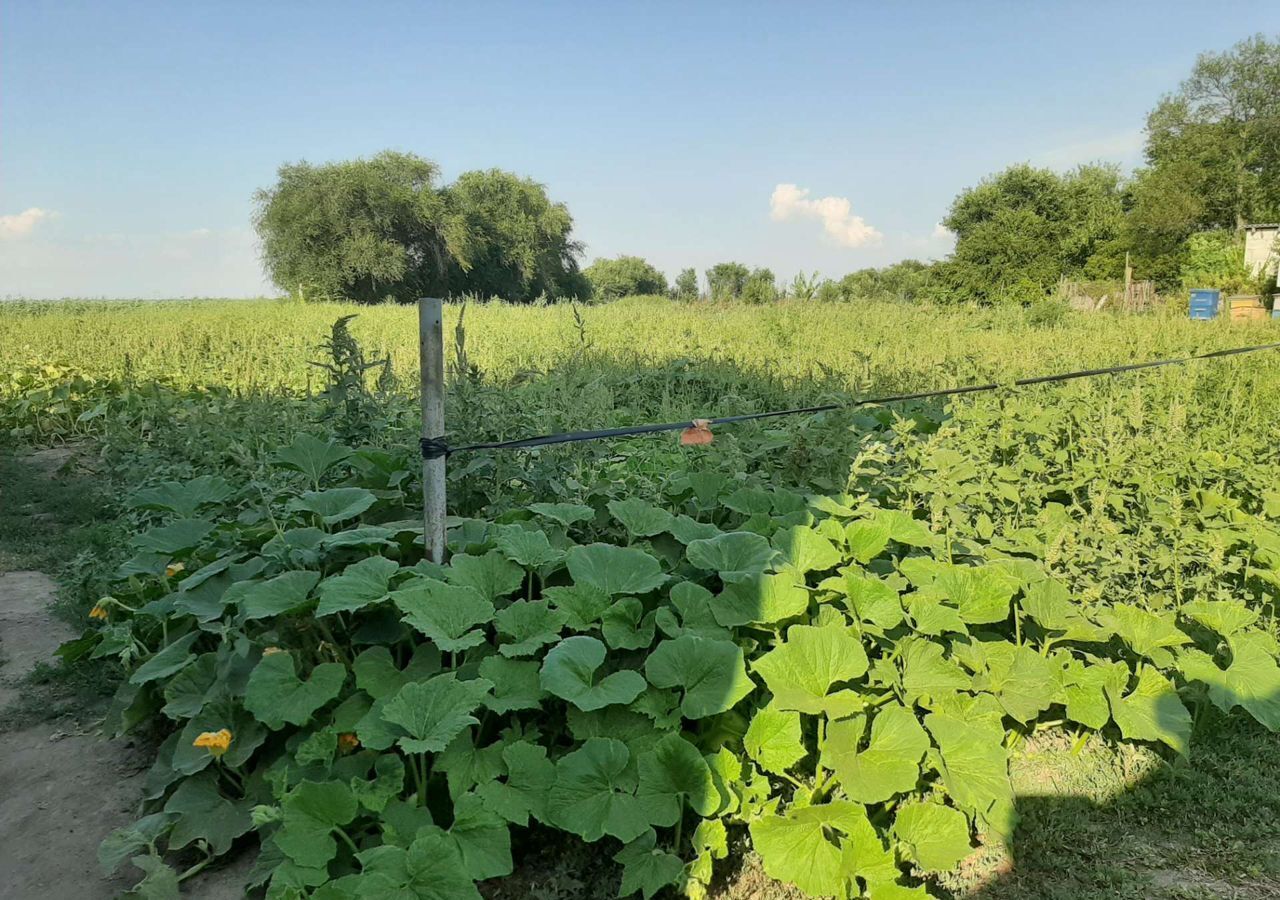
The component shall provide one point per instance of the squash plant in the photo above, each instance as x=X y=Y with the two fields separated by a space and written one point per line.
x=825 y=673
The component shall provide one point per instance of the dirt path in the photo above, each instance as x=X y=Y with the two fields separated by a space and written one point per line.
x=63 y=788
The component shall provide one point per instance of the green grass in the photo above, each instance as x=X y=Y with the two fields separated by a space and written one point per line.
x=1118 y=821
x=58 y=521
x=1122 y=488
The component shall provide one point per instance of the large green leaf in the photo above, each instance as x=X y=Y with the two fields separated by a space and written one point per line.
x=710 y=673
x=184 y=498
x=933 y=836
x=274 y=597
x=975 y=768
x=927 y=674
x=594 y=793
x=527 y=548
x=615 y=570
x=174 y=538
x=1152 y=711
x=1020 y=678
x=891 y=762
x=1252 y=680
x=645 y=868
x=981 y=593
x=167 y=661
x=433 y=712
x=483 y=838
x=1049 y=604
x=311 y=456
x=796 y=847
x=335 y=504
x=432 y=868
x=867 y=538
x=493 y=576
x=529 y=625
x=581 y=604
x=626 y=626
x=201 y=813
x=1149 y=634
x=806 y=550
x=735 y=555
x=801 y=670
x=524 y=794
x=311 y=812
x=278 y=697
x=361 y=584
x=761 y=599
x=564 y=513
x=1226 y=617
x=673 y=773
x=871 y=600
x=569 y=672
x=515 y=683
x=446 y=613
x=773 y=739
x=639 y=518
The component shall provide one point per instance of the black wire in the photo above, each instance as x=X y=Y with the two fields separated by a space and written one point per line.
x=434 y=448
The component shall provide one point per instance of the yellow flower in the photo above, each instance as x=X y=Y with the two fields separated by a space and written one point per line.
x=267 y=651
x=173 y=569
x=216 y=742
x=347 y=741
x=98 y=612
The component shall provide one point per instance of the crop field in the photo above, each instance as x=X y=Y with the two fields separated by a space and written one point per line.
x=1018 y=644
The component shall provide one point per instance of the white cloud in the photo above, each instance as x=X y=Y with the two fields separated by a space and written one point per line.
x=942 y=233
x=836 y=214
x=21 y=224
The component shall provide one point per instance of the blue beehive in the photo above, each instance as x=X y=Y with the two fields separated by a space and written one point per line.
x=1204 y=303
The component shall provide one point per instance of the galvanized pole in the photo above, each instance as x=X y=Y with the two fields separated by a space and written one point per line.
x=431 y=364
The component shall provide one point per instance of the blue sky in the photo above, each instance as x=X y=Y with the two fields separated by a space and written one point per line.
x=132 y=135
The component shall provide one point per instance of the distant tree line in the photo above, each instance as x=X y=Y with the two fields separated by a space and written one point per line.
x=385 y=228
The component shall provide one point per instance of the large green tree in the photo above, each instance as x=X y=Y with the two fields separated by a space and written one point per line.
x=726 y=281
x=1213 y=157
x=366 y=230
x=1019 y=231
x=385 y=229
x=1220 y=130
x=623 y=277
x=520 y=242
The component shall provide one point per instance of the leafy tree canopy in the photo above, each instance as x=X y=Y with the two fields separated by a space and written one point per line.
x=1019 y=231
x=623 y=277
x=383 y=228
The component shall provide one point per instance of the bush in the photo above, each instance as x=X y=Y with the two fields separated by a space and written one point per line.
x=1215 y=259
x=760 y=287
x=725 y=281
x=686 y=287
x=623 y=277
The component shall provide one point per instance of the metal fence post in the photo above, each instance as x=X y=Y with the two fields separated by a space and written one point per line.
x=431 y=365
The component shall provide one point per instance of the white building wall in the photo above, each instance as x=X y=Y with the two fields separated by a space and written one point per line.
x=1262 y=248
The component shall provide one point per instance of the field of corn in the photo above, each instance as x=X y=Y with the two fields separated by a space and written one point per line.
x=1008 y=645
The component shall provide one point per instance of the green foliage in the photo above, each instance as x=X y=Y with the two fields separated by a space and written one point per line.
x=623 y=277
x=519 y=242
x=686 y=285
x=1218 y=134
x=365 y=230
x=382 y=228
x=1215 y=259
x=727 y=281
x=1019 y=231
x=850 y=633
